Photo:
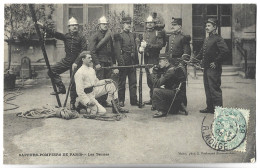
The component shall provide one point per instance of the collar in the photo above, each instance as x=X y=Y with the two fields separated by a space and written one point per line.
x=177 y=32
x=213 y=33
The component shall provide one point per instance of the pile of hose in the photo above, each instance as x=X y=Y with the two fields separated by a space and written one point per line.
x=38 y=113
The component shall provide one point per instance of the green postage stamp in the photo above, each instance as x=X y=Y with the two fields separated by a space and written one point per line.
x=228 y=130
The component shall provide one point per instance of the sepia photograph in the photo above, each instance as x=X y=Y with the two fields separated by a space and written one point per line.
x=129 y=84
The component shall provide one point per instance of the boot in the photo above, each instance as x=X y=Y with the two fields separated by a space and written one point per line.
x=121 y=104
x=72 y=106
x=116 y=108
x=184 y=109
x=61 y=89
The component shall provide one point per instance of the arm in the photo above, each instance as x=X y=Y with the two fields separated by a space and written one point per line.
x=113 y=57
x=167 y=76
x=92 y=47
x=186 y=45
x=223 y=50
x=158 y=44
x=55 y=34
x=84 y=46
x=80 y=87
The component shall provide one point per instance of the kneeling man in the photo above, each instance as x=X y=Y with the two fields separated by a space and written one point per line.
x=166 y=86
x=89 y=87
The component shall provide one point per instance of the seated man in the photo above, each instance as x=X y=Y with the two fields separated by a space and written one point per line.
x=165 y=87
x=89 y=87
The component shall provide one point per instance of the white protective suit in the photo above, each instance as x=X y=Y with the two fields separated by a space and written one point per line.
x=86 y=77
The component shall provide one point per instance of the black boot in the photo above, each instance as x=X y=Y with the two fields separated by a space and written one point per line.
x=72 y=106
x=116 y=108
x=61 y=89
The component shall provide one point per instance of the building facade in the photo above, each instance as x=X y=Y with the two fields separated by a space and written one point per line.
x=237 y=25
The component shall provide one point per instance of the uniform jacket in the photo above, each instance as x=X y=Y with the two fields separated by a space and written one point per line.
x=178 y=45
x=129 y=55
x=74 y=43
x=214 y=49
x=172 y=77
x=154 y=42
x=105 y=52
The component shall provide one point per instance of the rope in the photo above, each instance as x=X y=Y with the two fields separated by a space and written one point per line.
x=38 y=113
x=14 y=95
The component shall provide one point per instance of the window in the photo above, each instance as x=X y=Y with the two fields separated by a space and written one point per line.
x=85 y=13
x=200 y=13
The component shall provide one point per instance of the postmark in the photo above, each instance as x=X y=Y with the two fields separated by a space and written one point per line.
x=227 y=130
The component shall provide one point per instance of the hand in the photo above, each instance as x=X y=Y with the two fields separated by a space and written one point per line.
x=91 y=103
x=213 y=65
x=74 y=66
x=193 y=60
x=98 y=66
x=108 y=80
x=41 y=25
x=115 y=71
x=143 y=44
x=141 y=49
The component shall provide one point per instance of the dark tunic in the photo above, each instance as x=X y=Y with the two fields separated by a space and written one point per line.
x=178 y=45
x=127 y=56
x=214 y=49
x=162 y=97
x=154 y=42
x=105 y=52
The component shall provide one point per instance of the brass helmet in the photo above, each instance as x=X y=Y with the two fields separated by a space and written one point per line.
x=103 y=20
x=150 y=19
x=72 y=21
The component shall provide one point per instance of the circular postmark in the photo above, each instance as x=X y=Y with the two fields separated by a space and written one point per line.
x=226 y=132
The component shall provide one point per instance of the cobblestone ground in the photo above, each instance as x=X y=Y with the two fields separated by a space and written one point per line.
x=138 y=138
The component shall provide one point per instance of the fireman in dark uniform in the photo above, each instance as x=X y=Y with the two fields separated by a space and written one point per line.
x=178 y=43
x=101 y=47
x=74 y=43
x=165 y=87
x=213 y=51
x=128 y=56
x=152 y=43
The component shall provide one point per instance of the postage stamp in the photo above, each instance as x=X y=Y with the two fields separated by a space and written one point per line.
x=228 y=130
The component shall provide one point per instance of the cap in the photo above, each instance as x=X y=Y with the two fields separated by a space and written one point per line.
x=150 y=19
x=177 y=21
x=126 y=20
x=164 y=56
x=213 y=21
x=72 y=21
x=102 y=20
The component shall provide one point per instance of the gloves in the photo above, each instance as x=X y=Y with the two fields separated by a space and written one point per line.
x=143 y=44
x=141 y=49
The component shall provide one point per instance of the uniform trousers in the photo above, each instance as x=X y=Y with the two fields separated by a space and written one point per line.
x=162 y=99
x=212 y=83
x=59 y=68
x=131 y=73
x=151 y=59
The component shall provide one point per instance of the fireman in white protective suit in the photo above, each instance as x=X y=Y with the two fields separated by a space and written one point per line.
x=89 y=87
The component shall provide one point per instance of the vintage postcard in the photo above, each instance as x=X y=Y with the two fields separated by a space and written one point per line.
x=124 y=84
